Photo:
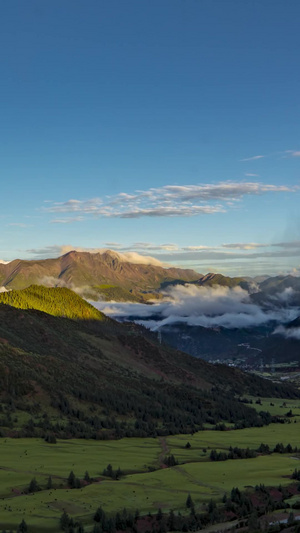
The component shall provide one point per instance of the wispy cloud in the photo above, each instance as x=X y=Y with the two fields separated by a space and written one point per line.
x=167 y=201
x=293 y=153
x=290 y=245
x=282 y=153
x=249 y=175
x=244 y=246
x=147 y=246
x=253 y=158
x=19 y=225
x=69 y=220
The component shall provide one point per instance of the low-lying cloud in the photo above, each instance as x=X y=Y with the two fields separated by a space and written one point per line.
x=288 y=333
x=4 y=289
x=199 y=306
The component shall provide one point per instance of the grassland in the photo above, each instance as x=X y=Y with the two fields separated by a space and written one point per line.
x=141 y=487
x=276 y=406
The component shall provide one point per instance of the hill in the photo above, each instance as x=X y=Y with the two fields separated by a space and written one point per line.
x=83 y=269
x=101 y=379
x=57 y=301
x=212 y=279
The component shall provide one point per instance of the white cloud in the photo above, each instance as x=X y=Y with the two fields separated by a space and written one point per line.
x=170 y=247
x=19 y=225
x=286 y=296
x=244 y=246
x=253 y=158
x=199 y=306
x=69 y=220
x=134 y=257
x=166 y=211
x=293 y=153
x=288 y=333
x=170 y=200
x=197 y=248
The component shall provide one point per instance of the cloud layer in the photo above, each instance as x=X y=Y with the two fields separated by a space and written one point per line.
x=167 y=201
x=288 y=333
x=199 y=306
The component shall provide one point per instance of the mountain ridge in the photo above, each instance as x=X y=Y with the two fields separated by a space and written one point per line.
x=84 y=268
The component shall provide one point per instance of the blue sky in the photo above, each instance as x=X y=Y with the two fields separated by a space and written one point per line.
x=137 y=125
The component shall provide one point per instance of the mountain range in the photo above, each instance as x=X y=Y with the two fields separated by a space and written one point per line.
x=110 y=269
x=83 y=269
x=110 y=276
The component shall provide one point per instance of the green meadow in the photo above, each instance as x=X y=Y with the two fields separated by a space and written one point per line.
x=145 y=485
x=222 y=440
x=276 y=406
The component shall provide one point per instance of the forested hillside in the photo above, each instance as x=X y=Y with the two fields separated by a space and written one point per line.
x=101 y=379
x=56 y=301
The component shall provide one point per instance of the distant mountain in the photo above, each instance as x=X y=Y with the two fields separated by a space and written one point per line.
x=83 y=269
x=280 y=283
x=97 y=378
x=211 y=279
x=294 y=323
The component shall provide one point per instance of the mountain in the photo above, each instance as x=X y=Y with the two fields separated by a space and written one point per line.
x=283 y=346
x=83 y=269
x=280 y=283
x=211 y=279
x=215 y=343
x=94 y=377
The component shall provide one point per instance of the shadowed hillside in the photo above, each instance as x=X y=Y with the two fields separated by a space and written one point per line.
x=101 y=379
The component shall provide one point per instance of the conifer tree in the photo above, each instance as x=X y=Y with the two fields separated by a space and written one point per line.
x=71 y=480
x=189 y=502
x=22 y=528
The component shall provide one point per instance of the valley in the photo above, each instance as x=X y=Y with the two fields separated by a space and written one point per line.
x=134 y=423
x=144 y=484
x=150 y=266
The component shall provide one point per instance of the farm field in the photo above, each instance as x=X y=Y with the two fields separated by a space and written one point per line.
x=23 y=459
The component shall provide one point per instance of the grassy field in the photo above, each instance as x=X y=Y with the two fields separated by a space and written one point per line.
x=166 y=488
x=222 y=440
x=280 y=407
x=23 y=459
x=37 y=458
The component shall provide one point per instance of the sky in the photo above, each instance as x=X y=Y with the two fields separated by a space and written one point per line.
x=168 y=128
